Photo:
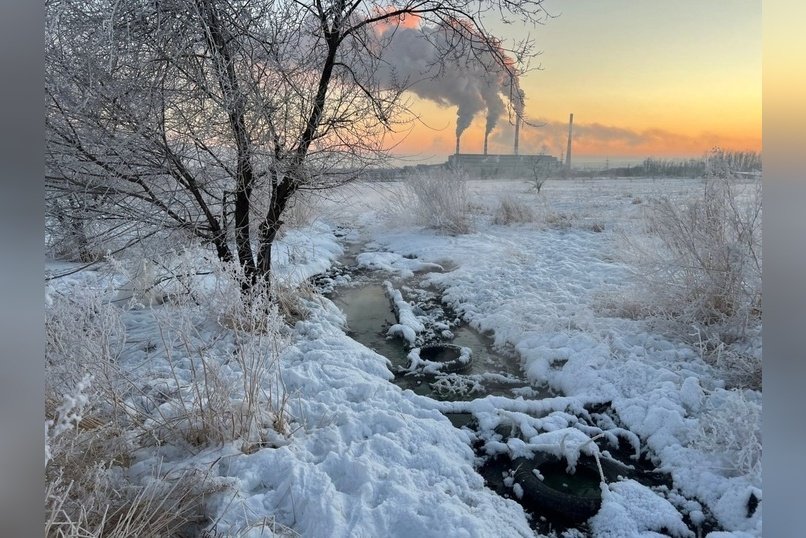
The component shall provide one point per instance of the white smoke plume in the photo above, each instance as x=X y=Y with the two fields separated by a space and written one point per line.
x=471 y=82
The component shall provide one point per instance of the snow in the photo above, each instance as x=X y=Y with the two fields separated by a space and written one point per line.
x=632 y=509
x=418 y=364
x=369 y=461
x=692 y=394
x=363 y=458
x=408 y=325
x=403 y=331
x=395 y=263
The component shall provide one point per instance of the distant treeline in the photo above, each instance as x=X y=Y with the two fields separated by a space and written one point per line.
x=717 y=162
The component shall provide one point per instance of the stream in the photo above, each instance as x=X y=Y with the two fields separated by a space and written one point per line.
x=363 y=297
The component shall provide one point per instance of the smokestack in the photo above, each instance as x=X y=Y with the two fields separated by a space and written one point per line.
x=457 y=144
x=517 y=132
x=485 y=142
x=568 y=151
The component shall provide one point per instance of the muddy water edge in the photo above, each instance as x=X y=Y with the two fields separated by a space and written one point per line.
x=360 y=294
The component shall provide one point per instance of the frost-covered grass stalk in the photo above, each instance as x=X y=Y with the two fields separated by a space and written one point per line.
x=715 y=243
x=103 y=503
x=705 y=270
x=90 y=439
x=730 y=428
x=218 y=398
x=82 y=340
x=513 y=210
x=440 y=200
x=202 y=368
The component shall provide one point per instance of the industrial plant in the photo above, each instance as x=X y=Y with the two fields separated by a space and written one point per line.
x=514 y=165
x=502 y=166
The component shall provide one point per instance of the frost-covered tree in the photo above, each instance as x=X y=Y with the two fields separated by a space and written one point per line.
x=208 y=116
x=723 y=164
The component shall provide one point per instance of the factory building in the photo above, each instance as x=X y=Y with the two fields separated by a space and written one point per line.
x=503 y=166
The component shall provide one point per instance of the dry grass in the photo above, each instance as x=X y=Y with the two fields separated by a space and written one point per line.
x=247 y=402
x=512 y=210
x=703 y=271
x=559 y=221
x=89 y=490
x=103 y=503
x=440 y=200
x=715 y=247
x=189 y=393
x=730 y=427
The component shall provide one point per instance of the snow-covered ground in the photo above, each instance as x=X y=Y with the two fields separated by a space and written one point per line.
x=361 y=457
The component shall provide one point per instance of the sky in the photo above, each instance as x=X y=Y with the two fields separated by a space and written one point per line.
x=643 y=78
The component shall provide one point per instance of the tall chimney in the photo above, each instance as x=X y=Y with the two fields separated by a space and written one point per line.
x=485 y=142
x=517 y=132
x=457 y=144
x=568 y=151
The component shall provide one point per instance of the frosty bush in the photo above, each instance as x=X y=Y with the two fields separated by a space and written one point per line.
x=706 y=269
x=512 y=210
x=90 y=437
x=89 y=492
x=193 y=383
x=214 y=400
x=715 y=247
x=730 y=427
x=440 y=200
x=237 y=397
x=83 y=336
x=540 y=170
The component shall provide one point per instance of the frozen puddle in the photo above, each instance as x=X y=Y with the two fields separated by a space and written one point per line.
x=369 y=314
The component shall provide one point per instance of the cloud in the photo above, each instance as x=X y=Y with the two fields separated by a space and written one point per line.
x=598 y=139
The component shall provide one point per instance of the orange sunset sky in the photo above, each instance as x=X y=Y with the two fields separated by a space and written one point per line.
x=642 y=77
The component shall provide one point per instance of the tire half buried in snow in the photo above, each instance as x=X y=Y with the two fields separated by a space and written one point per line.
x=452 y=359
x=575 y=497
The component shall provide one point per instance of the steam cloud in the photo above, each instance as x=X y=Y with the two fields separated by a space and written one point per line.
x=472 y=84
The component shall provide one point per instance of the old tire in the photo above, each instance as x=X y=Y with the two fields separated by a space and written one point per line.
x=547 y=495
x=450 y=356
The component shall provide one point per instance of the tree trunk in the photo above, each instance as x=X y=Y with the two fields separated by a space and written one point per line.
x=230 y=89
x=271 y=225
x=287 y=186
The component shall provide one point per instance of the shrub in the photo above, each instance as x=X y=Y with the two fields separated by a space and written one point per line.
x=439 y=200
x=540 y=170
x=559 y=220
x=714 y=243
x=705 y=269
x=730 y=426
x=246 y=401
x=511 y=210
x=90 y=437
x=205 y=384
x=83 y=337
